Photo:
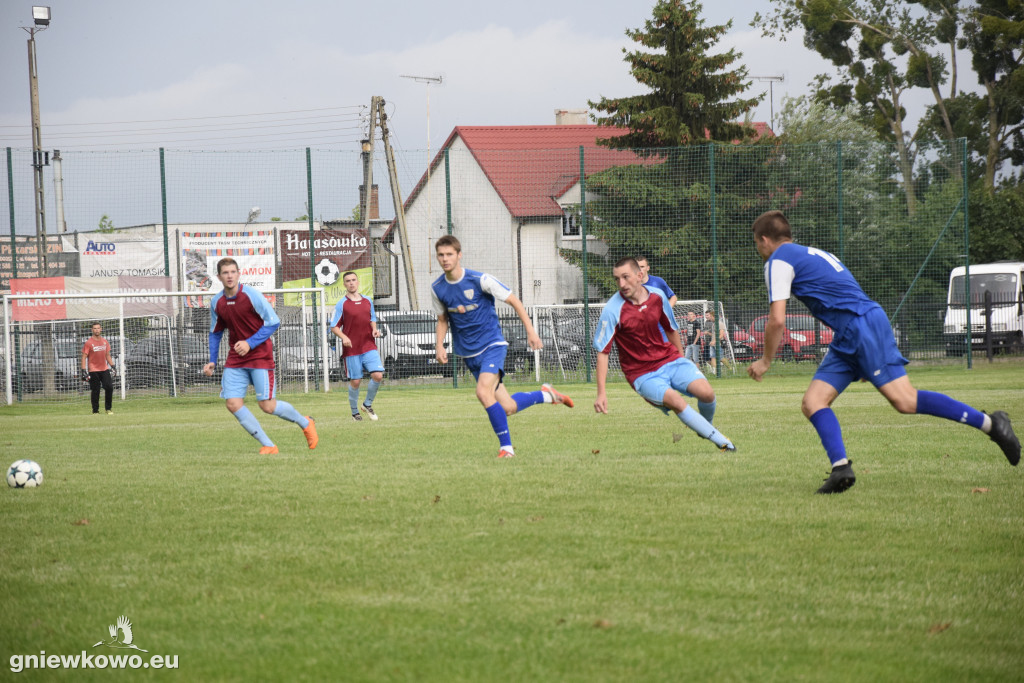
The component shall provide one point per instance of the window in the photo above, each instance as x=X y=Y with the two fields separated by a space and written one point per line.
x=570 y=222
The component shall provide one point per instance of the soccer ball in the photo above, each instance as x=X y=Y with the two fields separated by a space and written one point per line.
x=327 y=272
x=24 y=474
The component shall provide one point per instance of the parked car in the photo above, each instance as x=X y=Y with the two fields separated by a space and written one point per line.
x=804 y=338
x=67 y=371
x=406 y=344
x=149 y=363
x=563 y=347
x=742 y=350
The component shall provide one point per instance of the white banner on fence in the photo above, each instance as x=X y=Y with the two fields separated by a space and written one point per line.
x=253 y=250
x=115 y=256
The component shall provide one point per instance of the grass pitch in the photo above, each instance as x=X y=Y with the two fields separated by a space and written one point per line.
x=405 y=550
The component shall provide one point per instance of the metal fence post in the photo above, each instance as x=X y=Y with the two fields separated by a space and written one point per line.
x=312 y=264
x=583 y=234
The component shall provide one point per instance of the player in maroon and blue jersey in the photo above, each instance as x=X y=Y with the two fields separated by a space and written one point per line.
x=863 y=347
x=639 y=320
x=355 y=324
x=249 y=319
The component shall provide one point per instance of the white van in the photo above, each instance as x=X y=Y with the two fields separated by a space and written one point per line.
x=1005 y=281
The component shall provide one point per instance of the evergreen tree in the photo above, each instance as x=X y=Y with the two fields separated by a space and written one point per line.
x=690 y=90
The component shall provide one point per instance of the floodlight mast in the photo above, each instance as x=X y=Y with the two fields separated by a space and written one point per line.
x=771 y=94
x=41 y=21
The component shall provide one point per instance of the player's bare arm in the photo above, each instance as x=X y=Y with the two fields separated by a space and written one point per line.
x=675 y=340
x=345 y=341
x=772 y=338
x=601 y=403
x=208 y=369
x=439 y=333
x=532 y=338
x=374 y=331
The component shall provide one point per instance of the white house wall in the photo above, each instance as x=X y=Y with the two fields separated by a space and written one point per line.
x=488 y=233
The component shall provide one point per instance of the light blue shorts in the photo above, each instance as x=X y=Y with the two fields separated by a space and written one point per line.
x=491 y=360
x=866 y=349
x=677 y=374
x=369 y=361
x=234 y=383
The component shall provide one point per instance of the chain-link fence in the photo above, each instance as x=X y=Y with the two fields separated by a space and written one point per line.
x=549 y=220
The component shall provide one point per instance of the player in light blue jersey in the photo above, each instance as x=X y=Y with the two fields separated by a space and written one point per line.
x=464 y=302
x=862 y=348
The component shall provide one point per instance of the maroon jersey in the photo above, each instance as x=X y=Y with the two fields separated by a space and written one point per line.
x=247 y=316
x=637 y=331
x=354 y=318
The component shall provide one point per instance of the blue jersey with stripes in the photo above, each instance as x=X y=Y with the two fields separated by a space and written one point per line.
x=819 y=280
x=469 y=305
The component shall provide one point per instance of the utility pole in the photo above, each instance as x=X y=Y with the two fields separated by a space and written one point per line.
x=396 y=196
x=41 y=18
x=771 y=94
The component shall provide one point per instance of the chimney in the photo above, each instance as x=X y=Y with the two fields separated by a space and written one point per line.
x=374 y=201
x=570 y=117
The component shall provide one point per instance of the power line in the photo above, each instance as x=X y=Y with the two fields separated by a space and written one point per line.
x=199 y=118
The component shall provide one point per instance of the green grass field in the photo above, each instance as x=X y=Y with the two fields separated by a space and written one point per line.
x=404 y=550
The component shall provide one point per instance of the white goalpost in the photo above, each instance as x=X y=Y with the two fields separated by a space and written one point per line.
x=159 y=343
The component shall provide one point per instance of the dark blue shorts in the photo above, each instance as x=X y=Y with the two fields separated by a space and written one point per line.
x=866 y=349
x=492 y=359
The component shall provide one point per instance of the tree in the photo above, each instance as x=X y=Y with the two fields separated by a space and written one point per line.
x=882 y=48
x=106 y=225
x=690 y=90
x=995 y=34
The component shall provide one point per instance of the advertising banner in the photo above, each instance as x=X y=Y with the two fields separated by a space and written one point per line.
x=253 y=250
x=51 y=304
x=334 y=252
x=26 y=251
x=113 y=256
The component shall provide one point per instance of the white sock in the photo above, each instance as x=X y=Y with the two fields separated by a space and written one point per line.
x=986 y=425
x=840 y=463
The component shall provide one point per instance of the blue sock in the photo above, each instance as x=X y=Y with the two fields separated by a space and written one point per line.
x=831 y=434
x=371 y=392
x=695 y=421
x=525 y=399
x=251 y=424
x=286 y=411
x=707 y=409
x=353 y=398
x=499 y=423
x=940 y=405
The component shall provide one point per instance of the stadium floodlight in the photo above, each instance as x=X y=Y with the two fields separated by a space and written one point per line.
x=41 y=15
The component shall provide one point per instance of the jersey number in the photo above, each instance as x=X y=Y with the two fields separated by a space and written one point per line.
x=832 y=260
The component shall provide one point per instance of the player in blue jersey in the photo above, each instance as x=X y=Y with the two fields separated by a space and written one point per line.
x=862 y=348
x=464 y=301
x=247 y=316
x=654 y=281
x=639 y=320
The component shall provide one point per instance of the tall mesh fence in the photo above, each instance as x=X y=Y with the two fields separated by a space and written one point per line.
x=547 y=222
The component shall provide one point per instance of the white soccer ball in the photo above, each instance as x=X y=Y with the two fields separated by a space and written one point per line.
x=24 y=474
x=327 y=272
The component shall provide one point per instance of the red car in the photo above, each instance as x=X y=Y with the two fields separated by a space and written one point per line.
x=803 y=339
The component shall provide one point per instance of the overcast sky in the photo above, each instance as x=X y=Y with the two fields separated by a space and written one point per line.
x=106 y=61
x=210 y=75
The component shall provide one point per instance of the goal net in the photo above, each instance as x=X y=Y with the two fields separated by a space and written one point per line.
x=159 y=343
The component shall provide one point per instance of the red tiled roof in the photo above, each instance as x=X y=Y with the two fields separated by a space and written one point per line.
x=529 y=166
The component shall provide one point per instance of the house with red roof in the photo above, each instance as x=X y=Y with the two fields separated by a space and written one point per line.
x=515 y=194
